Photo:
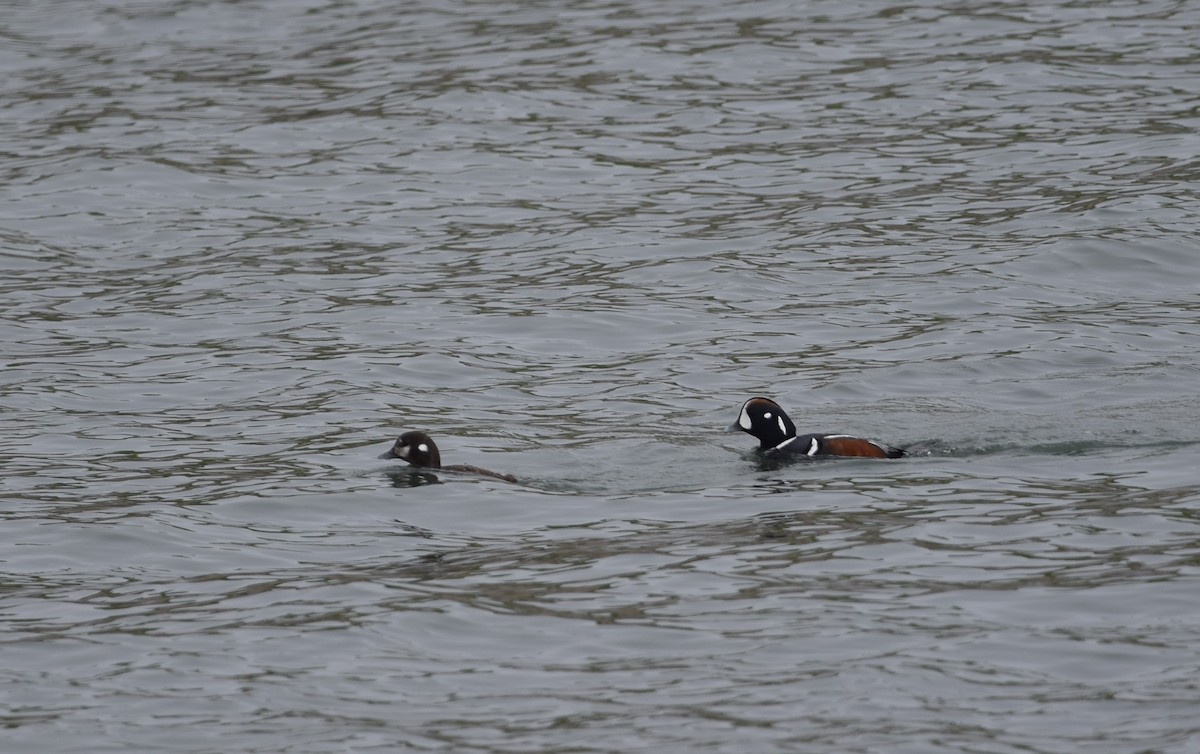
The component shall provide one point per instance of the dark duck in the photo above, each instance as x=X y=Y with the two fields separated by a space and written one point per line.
x=765 y=420
x=420 y=450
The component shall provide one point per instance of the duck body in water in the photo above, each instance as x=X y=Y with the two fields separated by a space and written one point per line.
x=419 y=449
x=766 y=420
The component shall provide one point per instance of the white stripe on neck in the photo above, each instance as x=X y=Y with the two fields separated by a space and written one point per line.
x=785 y=443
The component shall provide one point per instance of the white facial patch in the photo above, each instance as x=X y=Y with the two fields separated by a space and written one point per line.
x=403 y=452
x=744 y=421
x=423 y=448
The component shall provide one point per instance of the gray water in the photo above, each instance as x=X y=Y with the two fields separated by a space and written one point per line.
x=245 y=245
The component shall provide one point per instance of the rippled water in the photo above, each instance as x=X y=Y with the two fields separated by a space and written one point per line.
x=245 y=245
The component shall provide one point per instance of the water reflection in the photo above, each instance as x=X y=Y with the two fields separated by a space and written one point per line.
x=411 y=477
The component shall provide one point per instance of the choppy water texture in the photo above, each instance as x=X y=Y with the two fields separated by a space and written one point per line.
x=247 y=244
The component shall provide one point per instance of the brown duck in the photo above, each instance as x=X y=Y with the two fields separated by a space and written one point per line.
x=420 y=450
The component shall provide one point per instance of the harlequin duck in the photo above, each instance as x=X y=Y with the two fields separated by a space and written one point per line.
x=419 y=449
x=763 y=418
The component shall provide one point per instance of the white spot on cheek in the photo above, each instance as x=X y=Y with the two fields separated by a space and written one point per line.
x=423 y=448
x=744 y=421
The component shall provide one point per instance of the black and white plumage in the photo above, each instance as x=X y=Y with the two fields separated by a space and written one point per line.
x=766 y=420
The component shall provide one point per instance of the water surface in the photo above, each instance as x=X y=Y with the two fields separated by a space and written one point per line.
x=245 y=245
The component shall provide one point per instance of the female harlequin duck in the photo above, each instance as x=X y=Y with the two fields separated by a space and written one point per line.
x=763 y=418
x=419 y=449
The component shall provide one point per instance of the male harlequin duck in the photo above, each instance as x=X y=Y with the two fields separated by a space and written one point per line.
x=419 y=449
x=763 y=418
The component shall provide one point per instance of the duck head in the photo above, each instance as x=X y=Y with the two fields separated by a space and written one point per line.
x=417 y=448
x=764 y=419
